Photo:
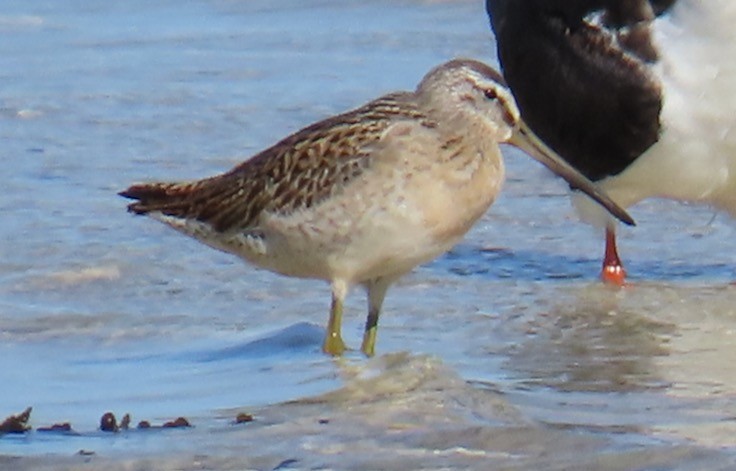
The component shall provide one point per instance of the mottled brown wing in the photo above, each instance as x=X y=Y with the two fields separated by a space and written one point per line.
x=298 y=172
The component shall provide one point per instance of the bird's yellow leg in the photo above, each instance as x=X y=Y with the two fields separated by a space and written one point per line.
x=369 y=337
x=376 y=293
x=333 y=344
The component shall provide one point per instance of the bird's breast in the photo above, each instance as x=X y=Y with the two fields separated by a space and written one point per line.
x=459 y=190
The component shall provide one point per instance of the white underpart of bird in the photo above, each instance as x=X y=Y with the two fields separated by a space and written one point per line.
x=695 y=157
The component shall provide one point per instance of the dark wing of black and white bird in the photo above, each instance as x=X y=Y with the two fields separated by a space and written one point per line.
x=636 y=94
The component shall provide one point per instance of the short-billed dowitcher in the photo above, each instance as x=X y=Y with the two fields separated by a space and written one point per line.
x=365 y=196
x=636 y=94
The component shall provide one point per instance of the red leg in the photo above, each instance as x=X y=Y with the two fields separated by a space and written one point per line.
x=613 y=272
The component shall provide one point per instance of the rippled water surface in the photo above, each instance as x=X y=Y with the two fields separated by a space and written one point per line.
x=504 y=354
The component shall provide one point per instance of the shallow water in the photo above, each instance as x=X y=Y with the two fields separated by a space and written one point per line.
x=505 y=353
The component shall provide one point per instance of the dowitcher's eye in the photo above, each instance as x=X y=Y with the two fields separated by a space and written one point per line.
x=490 y=93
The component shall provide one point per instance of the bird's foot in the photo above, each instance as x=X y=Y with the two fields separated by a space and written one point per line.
x=369 y=342
x=613 y=274
x=333 y=345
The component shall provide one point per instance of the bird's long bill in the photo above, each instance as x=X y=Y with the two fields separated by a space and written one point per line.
x=526 y=140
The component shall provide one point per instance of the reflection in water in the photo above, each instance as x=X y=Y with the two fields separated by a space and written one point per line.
x=592 y=344
x=596 y=358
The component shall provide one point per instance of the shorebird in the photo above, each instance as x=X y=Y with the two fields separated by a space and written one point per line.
x=638 y=95
x=365 y=196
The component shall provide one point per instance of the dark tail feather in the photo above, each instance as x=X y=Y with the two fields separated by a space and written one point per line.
x=216 y=201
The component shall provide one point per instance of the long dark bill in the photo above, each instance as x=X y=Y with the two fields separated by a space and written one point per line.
x=526 y=140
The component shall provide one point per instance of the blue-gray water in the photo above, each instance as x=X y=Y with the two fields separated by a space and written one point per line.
x=505 y=353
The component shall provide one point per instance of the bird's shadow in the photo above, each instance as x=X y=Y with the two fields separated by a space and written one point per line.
x=296 y=338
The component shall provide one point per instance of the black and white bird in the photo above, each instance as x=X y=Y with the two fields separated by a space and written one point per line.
x=639 y=95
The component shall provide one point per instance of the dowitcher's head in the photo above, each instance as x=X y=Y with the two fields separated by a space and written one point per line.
x=472 y=89
x=467 y=93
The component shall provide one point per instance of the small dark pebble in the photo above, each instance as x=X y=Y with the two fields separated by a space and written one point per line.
x=108 y=422
x=324 y=421
x=144 y=424
x=125 y=423
x=65 y=427
x=17 y=423
x=243 y=418
x=178 y=423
